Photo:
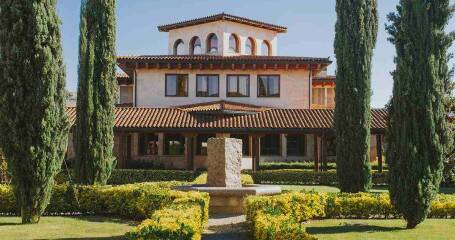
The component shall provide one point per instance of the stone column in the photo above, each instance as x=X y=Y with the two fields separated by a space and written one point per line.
x=224 y=162
x=284 y=148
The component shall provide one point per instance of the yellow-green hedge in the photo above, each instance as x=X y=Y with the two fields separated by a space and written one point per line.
x=269 y=226
x=245 y=178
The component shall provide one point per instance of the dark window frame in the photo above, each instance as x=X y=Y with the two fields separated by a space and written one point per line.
x=278 y=153
x=269 y=75
x=302 y=145
x=207 y=75
x=143 y=138
x=238 y=80
x=176 y=74
x=166 y=149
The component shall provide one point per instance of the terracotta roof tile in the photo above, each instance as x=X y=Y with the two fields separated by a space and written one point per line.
x=220 y=17
x=222 y=105
x=268 y=120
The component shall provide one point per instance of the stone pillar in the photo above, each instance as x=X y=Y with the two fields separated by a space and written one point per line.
x=255 y=155
x=316 y=153
x=379 y=149
x=160 y=144
x=284 y=148
x=224 y=162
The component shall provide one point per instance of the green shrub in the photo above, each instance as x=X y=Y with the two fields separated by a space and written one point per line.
x=305 y=177
x=245 y=178
x=4 y=175
x=129 y=176
x=292 y=165
x=278 y=227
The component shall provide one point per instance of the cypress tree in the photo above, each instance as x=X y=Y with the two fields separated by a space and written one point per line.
x=96 y=92
x=356 y=30
x=33 y=120
x=417 y=127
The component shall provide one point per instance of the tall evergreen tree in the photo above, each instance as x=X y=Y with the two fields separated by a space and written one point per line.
x=417 y=126
x=356 y=30
x=33 y=120
x=96 y=92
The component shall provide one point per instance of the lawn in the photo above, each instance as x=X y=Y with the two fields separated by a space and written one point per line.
x=435 y=229
x=322 y=188
x=65 y=228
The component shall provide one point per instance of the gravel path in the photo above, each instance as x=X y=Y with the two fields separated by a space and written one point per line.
x=227 y=227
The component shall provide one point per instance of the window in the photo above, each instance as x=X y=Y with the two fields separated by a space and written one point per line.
x=268 y=86
x=319 y=96
x=212 y=43
x=176 y=85
x=331 y=96
x=207 y=86
x=148 y=144
x=250 y=47
x=271 y=145
x=323 y=96
x=234 y=44
x=296 y=145
x=266 y=49
x=238 y=86
x=201 y=146
x=245 y=143
x=178 y=47
x=174 y=144
x=195 y=46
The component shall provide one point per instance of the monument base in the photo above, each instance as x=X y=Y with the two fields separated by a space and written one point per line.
x=230 y=200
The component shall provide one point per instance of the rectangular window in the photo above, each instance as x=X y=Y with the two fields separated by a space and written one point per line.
x=271 y=145
x=331 y=96
x=174 y=144
x=207 y=86
x=268 y=86
x=319 y=96
x=148 y=144
x=201 y=146
x=296 y=145
x=245 y=143
x=176 y=85
x=238 y=86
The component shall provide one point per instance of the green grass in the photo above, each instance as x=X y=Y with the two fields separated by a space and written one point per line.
x=434 y=229
x=322 y=188
x=65 y=228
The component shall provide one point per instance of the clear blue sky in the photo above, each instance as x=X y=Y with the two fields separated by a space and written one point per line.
x=310 y=30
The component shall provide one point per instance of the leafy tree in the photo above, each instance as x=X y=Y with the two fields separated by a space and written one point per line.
x=33 y=120
x=356 y=30
x=96 y=92
x=417 y=128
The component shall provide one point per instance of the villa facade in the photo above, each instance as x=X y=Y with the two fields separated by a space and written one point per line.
x=223 y=76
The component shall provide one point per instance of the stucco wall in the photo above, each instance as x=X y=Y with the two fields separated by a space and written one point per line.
x=223 y=30
x=294 y=86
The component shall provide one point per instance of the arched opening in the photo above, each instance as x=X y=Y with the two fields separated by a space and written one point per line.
x=195 y=46
x=250 y=46
x=266 y=49
x=234 y=44
x=212 y=43
x=179 y=47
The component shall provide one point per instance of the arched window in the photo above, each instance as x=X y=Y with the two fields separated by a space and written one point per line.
x=212 y=43
x=250 y=47
x=234 y=44
x=195 y=46
x=178 y=47
x=266 y=50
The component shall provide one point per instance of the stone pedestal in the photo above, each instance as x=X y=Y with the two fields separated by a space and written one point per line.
x=224 y=157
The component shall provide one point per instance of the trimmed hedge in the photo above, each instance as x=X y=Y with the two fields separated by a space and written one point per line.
x=245 y=178
x=129 y=176
x=305 y=177
x=292 y=165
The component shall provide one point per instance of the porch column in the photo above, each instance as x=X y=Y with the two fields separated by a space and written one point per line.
x=324 y=151
x=160 y=144
x=189 y=153
x=284 y=148
x=256 y=153
x=316 y=153
x=121 y=149
x=379 y=149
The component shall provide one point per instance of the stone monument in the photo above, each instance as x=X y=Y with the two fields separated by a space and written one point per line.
x=223 y=178
x=224 y=156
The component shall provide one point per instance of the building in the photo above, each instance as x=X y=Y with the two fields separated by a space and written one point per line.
x=223 y=77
